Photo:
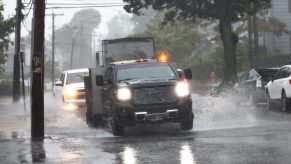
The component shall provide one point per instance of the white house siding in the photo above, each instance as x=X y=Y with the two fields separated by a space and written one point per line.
x=280 y=10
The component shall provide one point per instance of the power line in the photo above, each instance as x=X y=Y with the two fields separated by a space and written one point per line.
x=83 y=6
x=27 y=3
x=78 y=4
x=25 y=26
x=31 y=6
x=78 y=7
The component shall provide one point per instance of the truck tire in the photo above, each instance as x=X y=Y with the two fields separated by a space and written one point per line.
x=186 y=125
x=117 y=130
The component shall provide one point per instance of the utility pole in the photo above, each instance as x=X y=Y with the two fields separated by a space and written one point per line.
x=53 y=51
x=16 y=64
x=250 y=41
x=37 y=68
x=73 y=46
x=72 y=50
x=94 y=49
x=22 y=75
x=256 y=40
x=81 y=44
x=53 y=48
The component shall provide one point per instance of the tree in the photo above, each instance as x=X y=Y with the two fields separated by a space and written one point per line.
x=226 y=12
x=116 y=28
x=6 y=28
x=182 y=41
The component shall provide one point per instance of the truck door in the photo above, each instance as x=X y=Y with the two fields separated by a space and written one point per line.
x=106 y=89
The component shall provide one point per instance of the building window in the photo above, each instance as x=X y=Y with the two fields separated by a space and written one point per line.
x=289 y=5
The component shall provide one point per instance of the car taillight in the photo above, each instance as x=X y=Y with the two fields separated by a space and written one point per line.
x=259 y=83
x=289 y=81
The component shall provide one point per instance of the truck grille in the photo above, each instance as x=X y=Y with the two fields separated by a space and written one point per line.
x=156 y=95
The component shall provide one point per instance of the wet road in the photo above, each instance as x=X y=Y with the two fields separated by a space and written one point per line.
x=223 y=133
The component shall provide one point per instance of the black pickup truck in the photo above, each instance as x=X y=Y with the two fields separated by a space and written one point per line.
x=139 y=92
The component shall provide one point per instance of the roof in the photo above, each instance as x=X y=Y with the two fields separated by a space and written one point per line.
x=136 y=39
x=77 y=70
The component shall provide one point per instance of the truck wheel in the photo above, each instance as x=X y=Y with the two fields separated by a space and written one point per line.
x=117 y=130
x=186 y=125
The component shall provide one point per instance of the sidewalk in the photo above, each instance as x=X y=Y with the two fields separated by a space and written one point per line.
x=14 y=121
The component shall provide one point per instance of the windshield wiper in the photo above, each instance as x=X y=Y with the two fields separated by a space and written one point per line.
x=163 y=78
x=126 y=79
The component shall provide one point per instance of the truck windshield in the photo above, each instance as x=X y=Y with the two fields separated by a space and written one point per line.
x=145 y=71
x=77 y=77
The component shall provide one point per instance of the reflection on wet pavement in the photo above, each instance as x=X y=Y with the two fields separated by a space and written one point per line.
x=37 y=151
x=129 y=155
x=186 y=155
x=222 y=133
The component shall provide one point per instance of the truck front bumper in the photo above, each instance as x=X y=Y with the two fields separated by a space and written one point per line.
x=130 y=116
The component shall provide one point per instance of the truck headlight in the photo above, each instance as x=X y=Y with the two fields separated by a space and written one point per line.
x=182 y=89
x=123 y=94
x=70 y=92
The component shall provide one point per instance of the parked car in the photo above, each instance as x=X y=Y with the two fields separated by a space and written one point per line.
x=251 y=85
x=278 y=90
x=70 y=89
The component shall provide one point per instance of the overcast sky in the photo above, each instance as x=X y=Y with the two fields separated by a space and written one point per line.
x=107 y=14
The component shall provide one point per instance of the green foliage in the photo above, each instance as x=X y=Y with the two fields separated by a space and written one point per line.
x=182 y=41
x=6 y=28
x=185 y=43
x=226 y=11
x=232 y=10
x=6 y=85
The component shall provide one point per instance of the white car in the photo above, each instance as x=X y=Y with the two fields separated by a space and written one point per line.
x=279 y=89
x=70 y=89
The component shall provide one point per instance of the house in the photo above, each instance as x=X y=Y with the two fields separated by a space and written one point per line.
x=281 y=9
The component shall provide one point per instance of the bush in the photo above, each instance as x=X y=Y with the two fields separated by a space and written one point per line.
x=6 y=87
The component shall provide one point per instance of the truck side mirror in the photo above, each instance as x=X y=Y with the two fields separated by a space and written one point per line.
x=180 y=72
x=188 y=73
x=99 y=80
x=109 y=81
x=58 y=83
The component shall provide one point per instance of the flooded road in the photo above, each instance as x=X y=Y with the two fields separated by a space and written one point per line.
x=223 y=133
